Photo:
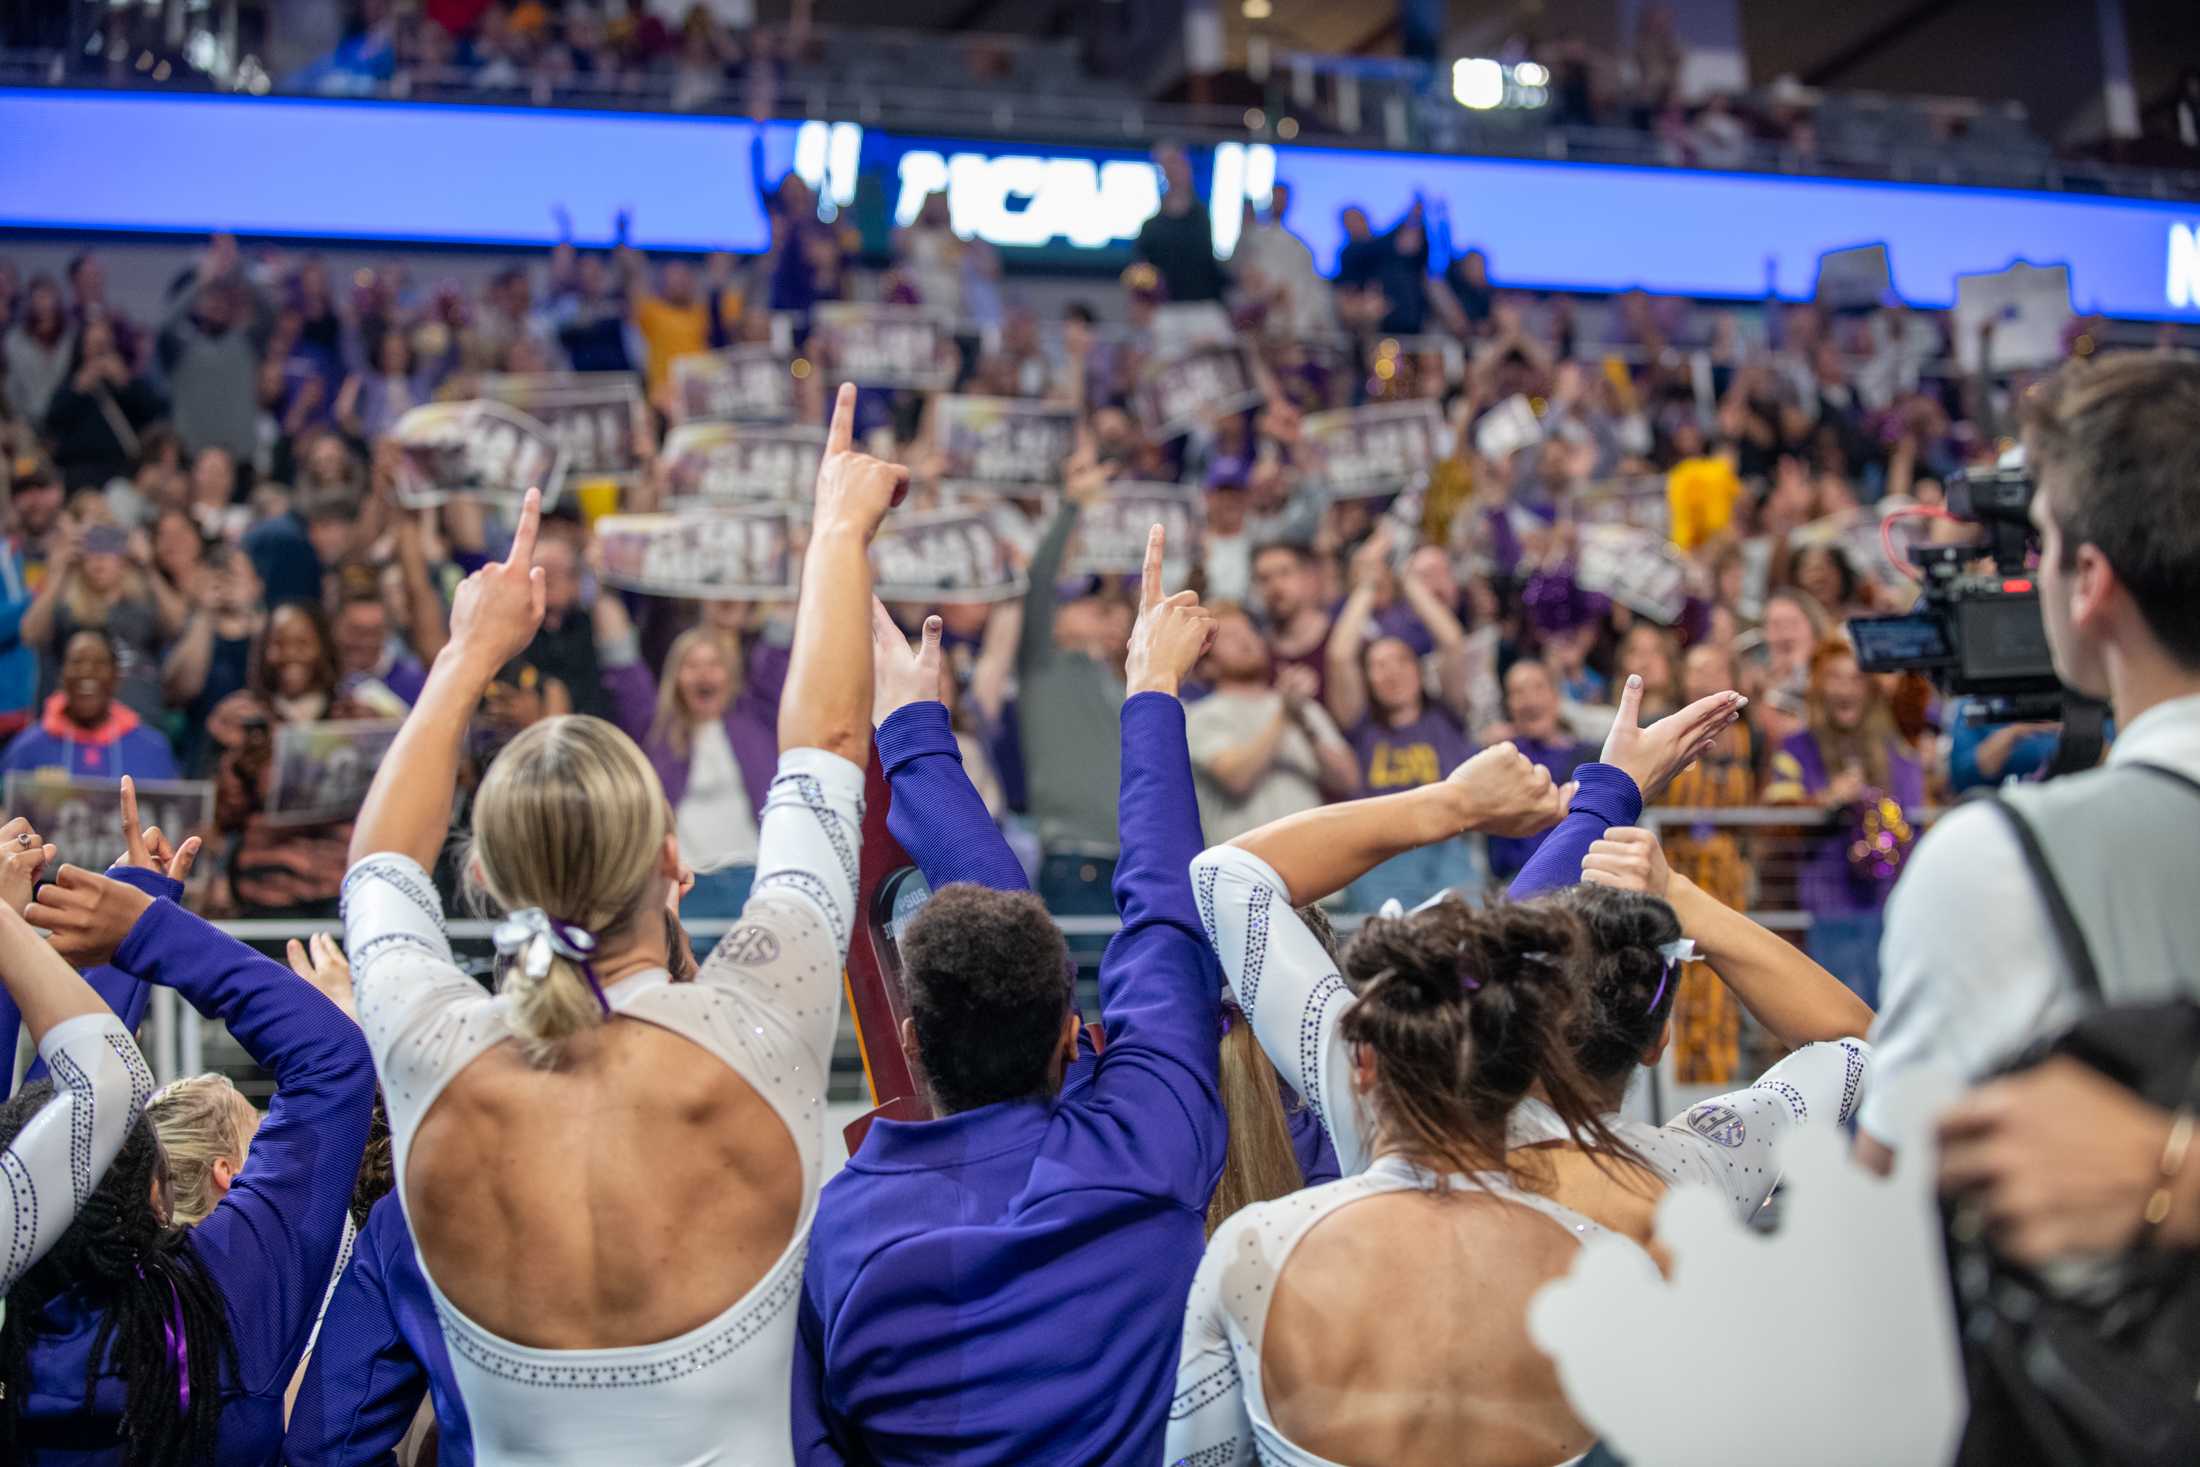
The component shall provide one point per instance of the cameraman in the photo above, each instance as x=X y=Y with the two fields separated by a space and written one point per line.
x=1972 y=971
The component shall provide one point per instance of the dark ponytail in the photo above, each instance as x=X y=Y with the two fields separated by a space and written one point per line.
x=1464 y=1011
x=145 y=1281
x=1627 y=989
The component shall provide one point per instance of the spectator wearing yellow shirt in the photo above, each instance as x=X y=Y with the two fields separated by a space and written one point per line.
x=1700 y=489
x=685 y=314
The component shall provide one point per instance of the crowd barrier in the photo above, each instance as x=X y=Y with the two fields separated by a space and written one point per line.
x=1763 y=848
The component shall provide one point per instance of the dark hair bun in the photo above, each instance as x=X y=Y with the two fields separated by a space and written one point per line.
x=1627 y=993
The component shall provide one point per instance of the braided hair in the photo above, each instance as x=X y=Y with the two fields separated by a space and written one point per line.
x=1464 y=1012
x=144 y=1278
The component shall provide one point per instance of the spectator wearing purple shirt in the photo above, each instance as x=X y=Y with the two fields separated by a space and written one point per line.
x=1848 y=758
x=1402 y=740
x=1535 y=728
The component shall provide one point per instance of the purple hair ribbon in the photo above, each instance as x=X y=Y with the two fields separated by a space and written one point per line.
x=1675 y=954
x=172 y=1329
x=535 y=937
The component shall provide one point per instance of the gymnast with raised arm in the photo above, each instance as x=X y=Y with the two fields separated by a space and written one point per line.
x=610 y=1176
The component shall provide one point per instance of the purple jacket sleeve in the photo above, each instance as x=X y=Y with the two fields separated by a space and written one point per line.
x=1153 y=1114
x=362 y=1383
x=272 y=1242
x=633 y=695
x=936 y=813
x=127 y=996
x=1607 y=797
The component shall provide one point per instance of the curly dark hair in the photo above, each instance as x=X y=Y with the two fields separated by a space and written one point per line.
x=377 y=1173
x=1464 y=1011
x=1621 y=1008
x=989 y=984
x=143 y=1276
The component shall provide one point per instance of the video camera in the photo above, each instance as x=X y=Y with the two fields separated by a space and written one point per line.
x=1975 y=634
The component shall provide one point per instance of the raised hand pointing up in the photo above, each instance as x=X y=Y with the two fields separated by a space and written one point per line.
x=854 y=490
x=499 y=608
x=1171 y=633
x=1652 y=756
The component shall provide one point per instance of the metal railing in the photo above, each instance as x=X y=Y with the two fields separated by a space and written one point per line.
x=1389 y=115
x=1773 y=842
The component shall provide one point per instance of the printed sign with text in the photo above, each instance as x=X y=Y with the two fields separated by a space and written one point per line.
x=82 y=818
x=322 y=770
x=885 y=346
x=742 y=384
x=1374 y=450
x=947 y=555
x=743 y=463
x=596 y=417
x=474 y=449
x=734 y=553
x=1002 y=443
x=1186 y=390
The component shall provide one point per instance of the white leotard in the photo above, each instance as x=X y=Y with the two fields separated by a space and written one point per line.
x=1726 y=1142
x=1220 y=1415
x=767 y=1003
x=101 y=1085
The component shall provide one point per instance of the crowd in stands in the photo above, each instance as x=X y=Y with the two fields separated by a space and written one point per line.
x=205 y=546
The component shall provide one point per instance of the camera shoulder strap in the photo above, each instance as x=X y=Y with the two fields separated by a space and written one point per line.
x=2077 y=953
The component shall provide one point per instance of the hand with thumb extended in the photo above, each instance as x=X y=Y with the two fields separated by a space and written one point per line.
x=901 y=675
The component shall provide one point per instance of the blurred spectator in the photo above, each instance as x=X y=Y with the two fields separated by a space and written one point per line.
x=1262 y=748
x=210 y=350
x=1533 y=725
x=930 y=254
x=1706 y=1020
x=1178 y=241
x=40 y=347
x=84 y=731
x=684 y=314
x=371 y=401
x=1701 y=489
x=89 y=303
x=1069 y=674
x=100 y=577
x=564 y=651
x=99 y=410
x=1983 y=754
x=711 y=731
x=1717 y=138
x=1288 y=585
x=1400 y=739
x=1849 y=762
x=36 y=499
x=213 y=656
x=1276 y=273
x=279 y=869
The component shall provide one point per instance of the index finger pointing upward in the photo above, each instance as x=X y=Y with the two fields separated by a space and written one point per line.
x=130 y=828
x=523 y=538
x=1149 y=591
x=842 y=435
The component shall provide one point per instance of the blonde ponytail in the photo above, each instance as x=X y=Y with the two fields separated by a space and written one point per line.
x=1260 y=1165
x=570 y=821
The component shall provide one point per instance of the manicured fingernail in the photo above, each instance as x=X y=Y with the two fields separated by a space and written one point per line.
x=1634 y=681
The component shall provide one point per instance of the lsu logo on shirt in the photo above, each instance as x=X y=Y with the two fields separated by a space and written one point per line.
x=1719 y=1124
x=1402 y=766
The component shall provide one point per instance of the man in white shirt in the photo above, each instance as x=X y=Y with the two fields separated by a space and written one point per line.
x=1973 y=973
x=1262 y=748
x=1276 y=268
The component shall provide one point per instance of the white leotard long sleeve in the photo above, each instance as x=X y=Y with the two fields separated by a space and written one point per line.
x=1284 y=980
x=1726 y=1143
x=766 y=1004
x=47 y=1172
